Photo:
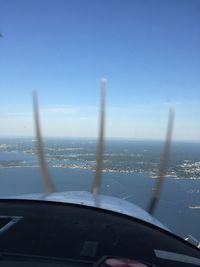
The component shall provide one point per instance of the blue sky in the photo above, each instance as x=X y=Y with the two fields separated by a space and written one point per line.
x=148 y=50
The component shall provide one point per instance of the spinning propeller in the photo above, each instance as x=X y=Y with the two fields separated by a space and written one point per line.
x=40 y=148
x=100 y=151
x=163 y=164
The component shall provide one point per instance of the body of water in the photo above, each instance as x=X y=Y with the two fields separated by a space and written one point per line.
x=130 y=169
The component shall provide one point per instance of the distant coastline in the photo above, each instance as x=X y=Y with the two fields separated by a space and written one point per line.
x=123 y=156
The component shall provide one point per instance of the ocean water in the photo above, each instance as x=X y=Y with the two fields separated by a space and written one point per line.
x=130 y=170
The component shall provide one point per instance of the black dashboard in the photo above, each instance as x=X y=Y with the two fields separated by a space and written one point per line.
x=41 y=233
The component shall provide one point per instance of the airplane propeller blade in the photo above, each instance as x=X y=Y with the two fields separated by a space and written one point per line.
x=163 y=163
x=40 y=147
x=100 y=150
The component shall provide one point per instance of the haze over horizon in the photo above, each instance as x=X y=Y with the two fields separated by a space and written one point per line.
x=148 y=51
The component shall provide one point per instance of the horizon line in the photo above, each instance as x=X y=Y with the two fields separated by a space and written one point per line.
x=96 y=138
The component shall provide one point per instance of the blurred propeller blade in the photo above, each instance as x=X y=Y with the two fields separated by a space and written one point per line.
x=163 y=163
x=100 y=150
x=40 y=147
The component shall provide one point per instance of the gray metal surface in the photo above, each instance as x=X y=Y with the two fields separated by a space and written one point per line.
x=100 y=201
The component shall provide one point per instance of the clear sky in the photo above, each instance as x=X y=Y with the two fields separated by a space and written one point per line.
x=148 y=50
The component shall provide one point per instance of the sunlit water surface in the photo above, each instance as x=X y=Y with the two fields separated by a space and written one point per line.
x=129 y=173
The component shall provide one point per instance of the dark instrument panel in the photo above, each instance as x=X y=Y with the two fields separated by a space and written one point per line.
x=59 y=234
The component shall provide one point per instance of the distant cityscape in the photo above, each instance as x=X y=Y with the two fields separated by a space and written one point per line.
x=120 y=156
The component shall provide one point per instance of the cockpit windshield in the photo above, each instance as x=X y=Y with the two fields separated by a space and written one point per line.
x=149 y=52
